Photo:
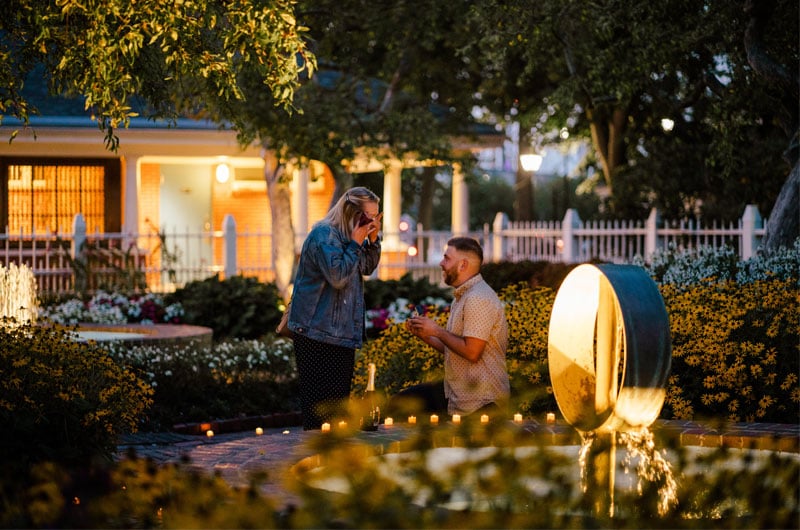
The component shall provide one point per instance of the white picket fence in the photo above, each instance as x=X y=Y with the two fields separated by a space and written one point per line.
x=161 y=262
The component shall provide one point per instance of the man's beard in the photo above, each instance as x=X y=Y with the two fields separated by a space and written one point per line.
x=450 y=276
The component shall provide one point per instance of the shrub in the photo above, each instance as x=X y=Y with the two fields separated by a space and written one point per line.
x=62 y=400
x=113 y=308
x=402 y=359
x=533 y=273
x=382 y=293
x=231 y=379
x=237 y=307
x=735 y=351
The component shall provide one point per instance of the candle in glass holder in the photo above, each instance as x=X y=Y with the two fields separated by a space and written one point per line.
x=456 y=418
x=388 y=422
x=326 y=427
x=484 y=418
x=517 y=418
x=434 y=419
x=342 y=424
x=209 y=433
x=412 y=419
x=551 y=418
x=259 y=431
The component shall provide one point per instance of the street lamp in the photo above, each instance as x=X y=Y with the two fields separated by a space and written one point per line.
x=526 y=192
x=531 y=162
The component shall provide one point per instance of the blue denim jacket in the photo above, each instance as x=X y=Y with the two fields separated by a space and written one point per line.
x=328 y=296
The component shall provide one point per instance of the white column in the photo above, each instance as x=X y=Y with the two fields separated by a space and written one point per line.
x=460 y=210
x=132 y=182
x=229 y=237
x=751 y=221
x=391 y=206
x=299 y=187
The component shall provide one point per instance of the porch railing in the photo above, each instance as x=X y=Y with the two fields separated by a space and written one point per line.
x=162 y=261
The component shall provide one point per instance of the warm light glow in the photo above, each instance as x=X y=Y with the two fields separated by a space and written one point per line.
x=551 y=418
x=404 y=226
x=518 y=418
x=434 y=419
x=531 y=162
x=412 y=419
x=326 y=427
x=259 y=431
x=223 y=173
x=209 y=433
x=484 y=418
x=388 y=422
x=342 y=424
x=667 y=124
x=412 y=251
x=456 y=418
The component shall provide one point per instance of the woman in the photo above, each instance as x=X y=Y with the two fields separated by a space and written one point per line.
x=327 y=312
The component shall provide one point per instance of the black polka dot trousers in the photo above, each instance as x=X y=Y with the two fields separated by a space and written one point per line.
x=325 y=373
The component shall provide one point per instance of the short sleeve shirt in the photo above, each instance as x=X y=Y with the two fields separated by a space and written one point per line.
x=477 y=312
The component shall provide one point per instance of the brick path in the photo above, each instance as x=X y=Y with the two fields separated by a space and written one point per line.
x=235 y=455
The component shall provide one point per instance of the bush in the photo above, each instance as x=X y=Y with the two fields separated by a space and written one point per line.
x=231 y=379
x=113 y=308
x=735 y=351
x=237 y=307
x=533 y=273
x=382 y=293
x=62 y=400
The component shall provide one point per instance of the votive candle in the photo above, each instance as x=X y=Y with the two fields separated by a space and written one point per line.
x=326 y=427
x=259 y=431
x=342 y=424
x=209 y=433
x=484 y=418
x=434 y=418
x=388 y=422
x=551 y=417
x=412 y=419
x=456 y=418
x=517 y=418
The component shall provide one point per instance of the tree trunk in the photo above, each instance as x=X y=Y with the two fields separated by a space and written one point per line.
x=283 y=251
x=783 y=225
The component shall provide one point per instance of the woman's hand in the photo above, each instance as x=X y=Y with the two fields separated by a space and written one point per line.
x=369 y=230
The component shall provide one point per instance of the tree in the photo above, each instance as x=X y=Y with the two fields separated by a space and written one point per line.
x=724 y=71
x=149 y=57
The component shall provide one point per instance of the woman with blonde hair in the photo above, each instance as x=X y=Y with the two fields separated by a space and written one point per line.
x=327 y=311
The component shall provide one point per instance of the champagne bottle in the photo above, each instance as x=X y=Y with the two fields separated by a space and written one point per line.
x=371 y=411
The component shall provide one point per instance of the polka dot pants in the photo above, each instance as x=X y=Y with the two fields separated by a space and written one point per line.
x=325 y=372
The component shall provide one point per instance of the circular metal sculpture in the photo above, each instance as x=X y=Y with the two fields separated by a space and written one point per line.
x=609 y=348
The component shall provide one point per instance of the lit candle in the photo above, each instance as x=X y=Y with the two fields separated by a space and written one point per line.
x=259 y=431
x=326 y=427
x=342 y=424
x=434 y=418
x=286 y=432
x=209 y=433
x=388 y=422
x=518 y=418
x=456 y=418
x=551 y=418
x=484 y=418
x=412 y=419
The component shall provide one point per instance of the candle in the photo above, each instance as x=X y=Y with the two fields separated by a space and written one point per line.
x=209 y=433
x=326 y=427
x=517 y=418
x=259 y=431
x=551 y=418
x=412 y=419
x=434 y=418
x=484 y=418
x=456 y=418
x=342 y=424
x=388 y=422
x=286 y=432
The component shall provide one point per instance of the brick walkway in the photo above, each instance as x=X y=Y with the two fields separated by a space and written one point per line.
x=235 y=455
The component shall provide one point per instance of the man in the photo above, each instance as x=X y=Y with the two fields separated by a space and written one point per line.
x=473 y=343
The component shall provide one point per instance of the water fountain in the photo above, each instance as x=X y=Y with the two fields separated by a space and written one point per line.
x=18 y=301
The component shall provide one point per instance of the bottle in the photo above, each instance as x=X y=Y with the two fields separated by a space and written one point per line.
x=371 y=411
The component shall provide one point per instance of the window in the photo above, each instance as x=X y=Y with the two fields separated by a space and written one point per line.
x=44 y=196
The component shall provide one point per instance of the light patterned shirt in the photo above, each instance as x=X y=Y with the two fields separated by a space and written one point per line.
x=476 y=312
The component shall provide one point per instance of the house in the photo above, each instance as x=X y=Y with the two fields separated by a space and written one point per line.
x=182 y=178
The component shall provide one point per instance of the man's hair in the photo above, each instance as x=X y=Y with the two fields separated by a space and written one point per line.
x=467 y=244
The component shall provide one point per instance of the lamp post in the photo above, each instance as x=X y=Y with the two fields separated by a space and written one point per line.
x=531 y=163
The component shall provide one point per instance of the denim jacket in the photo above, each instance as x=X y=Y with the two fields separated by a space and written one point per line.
x=328 y=296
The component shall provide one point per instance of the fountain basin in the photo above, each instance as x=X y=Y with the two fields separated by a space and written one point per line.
x=145 y=334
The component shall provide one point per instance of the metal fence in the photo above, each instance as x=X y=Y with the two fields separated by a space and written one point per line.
x=165 y=260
